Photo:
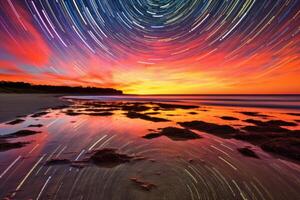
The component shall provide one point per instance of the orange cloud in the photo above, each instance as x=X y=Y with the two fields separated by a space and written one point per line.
x=9 y=67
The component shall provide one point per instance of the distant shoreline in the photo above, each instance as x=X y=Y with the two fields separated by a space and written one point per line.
x=27 y=88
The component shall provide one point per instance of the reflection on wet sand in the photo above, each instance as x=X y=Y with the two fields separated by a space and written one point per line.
x=151 y=150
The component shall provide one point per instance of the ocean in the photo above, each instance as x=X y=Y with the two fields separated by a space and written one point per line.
x=260 y=101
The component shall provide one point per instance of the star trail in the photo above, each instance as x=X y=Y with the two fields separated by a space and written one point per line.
x=152 y=46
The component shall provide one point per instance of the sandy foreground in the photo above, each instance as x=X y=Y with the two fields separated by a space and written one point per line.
x=13 y=105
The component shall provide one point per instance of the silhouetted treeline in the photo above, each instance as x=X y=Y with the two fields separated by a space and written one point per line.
x=21 y=87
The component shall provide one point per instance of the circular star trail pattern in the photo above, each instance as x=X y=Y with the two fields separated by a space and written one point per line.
x=256 y=36
x=164 y=30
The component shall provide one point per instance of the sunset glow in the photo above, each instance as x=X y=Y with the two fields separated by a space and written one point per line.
x=153 y=47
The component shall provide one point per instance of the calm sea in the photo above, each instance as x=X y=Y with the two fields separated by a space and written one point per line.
x=260 y=101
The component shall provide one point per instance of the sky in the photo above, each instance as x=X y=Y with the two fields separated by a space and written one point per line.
x=154 y=46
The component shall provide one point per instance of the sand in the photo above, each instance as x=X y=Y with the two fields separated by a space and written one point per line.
x=14 y=105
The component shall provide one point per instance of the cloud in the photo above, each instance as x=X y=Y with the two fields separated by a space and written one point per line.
x=28 y=45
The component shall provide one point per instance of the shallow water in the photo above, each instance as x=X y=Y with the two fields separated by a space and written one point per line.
x=261 y=101
x=205 y=168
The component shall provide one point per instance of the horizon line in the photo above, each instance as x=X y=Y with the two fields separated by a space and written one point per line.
x=217 y=94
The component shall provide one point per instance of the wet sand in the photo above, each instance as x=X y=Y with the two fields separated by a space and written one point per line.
x=134 y=150
x=14 y=105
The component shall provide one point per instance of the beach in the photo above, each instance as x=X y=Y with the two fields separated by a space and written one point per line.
x=153 y=147
x=14 y=105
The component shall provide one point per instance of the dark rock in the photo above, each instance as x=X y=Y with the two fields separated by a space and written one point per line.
x=177 y=134
x=229 y=118
x=16 y=121
x=270 y=122
x=21 y=133
x=58 y=161
x=97 y=110
x=294 y=114
x=21 y=116
x=109 y=157
x=39 y=114
x=134 y=115
x=152 y=113
x=156 y=109
x=265 y=129
x=288 y=147
x=36 y=125
x=152 y=135
x=221 y=130
x=193 y=113
x=6 y=145
x=175 y=106
x=100 y=114
x=248 y=152
x=135 y=108
x=60 y=107
x=95 y=103
x=269 y=135
x=257 y=138
x=72 y=113
x=253 y=114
